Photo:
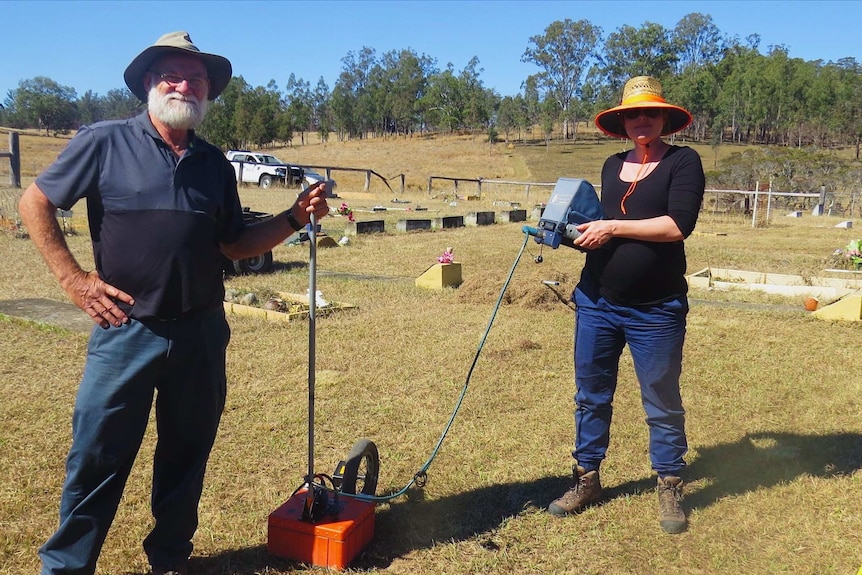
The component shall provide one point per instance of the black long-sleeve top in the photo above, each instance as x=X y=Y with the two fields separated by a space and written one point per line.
x=637 y=272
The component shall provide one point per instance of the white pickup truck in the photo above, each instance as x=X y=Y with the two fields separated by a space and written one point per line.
x=263 y=169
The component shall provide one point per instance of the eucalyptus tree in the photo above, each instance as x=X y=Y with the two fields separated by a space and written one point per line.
x=532 y=103
x=120 y=103
x=298 y=107
x=830 y=109
x=644 y=51
x=352 y=104
x=491 y=104
x=373 y=101
x=563 y=54
x=699 y=46
x=697 y=41
x=597 y=94
x=264 y=107
x=343 y=108
x=846 y=117
x=549 y=115
x=242 y=116
x=480 y=104
x=774 y=95
x=404 y=82
x=444 y=100
x=254 y=114
x=510 y=115
x=117 y=104
x=696 y=91
x=737 y=76
x=781 y=97
x=89 y=108
x=810 y=89
x=458 y=100
x=321 y=109
x=41 y=102
x=219 y=126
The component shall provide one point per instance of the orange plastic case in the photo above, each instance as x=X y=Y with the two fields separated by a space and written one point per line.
x=333 y=542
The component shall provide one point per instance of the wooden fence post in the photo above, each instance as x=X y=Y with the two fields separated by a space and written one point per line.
x=15 y=177
x=14 y=155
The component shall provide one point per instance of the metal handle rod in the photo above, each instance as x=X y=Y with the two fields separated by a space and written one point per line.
x=312 y=335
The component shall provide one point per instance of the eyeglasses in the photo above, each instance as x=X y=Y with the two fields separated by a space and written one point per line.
x=196 y=83
x=634 y=113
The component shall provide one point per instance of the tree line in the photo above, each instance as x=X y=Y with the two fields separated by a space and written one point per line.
x=735 y=91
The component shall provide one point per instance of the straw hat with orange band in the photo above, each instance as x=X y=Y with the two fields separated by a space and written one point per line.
x=642 y=92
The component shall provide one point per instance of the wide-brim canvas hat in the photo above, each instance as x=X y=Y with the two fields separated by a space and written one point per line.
x=219 y=68
x=642 y=92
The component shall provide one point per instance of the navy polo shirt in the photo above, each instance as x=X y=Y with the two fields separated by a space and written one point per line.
x=156 y=220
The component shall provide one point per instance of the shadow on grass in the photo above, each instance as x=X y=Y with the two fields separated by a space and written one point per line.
x=758 y=460
x=766 y=459
x=411 y=522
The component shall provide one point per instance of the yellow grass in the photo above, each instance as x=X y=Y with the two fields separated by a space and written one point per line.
x=772 y=394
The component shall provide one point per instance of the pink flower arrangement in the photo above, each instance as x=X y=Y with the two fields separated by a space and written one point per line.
x=849 y=257
x=447 y=258
x=344 y=210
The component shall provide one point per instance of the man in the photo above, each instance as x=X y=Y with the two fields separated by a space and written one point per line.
x=163 y=208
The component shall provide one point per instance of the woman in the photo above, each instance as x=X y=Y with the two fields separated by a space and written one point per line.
x=633 y=291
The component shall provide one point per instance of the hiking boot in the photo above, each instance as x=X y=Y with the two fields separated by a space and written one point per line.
x=168 y=571
x=587 y=489
x=671 y=517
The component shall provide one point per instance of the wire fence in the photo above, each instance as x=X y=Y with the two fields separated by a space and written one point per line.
x=758 y=207
x=9 y=219
x=734 y=206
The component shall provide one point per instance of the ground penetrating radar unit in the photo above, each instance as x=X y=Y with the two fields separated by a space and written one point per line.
x=573 y=202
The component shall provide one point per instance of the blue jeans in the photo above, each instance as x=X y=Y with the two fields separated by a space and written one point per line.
x=182 y=364
x=655 y=335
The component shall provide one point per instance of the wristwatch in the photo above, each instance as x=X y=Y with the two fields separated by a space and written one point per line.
x=292 y=220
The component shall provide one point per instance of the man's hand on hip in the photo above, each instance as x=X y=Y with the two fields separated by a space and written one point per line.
x=98 y=299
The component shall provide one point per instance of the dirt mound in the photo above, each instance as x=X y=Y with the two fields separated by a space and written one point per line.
x=527 y=288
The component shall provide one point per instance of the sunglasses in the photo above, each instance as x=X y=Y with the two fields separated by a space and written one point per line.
x=634 y=113
x=196 y=83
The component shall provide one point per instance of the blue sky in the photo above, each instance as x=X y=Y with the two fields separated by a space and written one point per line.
x=87 y=44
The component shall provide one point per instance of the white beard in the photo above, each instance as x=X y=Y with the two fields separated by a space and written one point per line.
x=175 y=110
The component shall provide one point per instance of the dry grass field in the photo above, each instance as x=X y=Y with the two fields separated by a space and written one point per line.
x=773 y=395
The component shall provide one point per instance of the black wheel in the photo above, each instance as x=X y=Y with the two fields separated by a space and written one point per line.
x=255 y=265
x=265 y=181
x=361 y=468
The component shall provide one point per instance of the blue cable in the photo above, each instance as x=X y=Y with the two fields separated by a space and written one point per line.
x=419 y=476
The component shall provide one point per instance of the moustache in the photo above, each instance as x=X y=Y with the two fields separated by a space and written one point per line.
x=183 y=99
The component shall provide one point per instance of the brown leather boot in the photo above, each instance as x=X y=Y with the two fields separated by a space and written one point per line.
x=671 y=516
x=587 y=489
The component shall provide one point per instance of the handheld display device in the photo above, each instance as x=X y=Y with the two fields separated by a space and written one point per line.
x=573 y=202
